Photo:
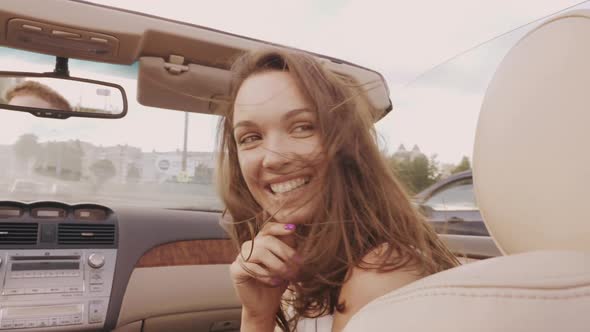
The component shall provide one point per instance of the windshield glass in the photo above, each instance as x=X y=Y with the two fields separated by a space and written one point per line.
x=136 y=160
x=140 y=159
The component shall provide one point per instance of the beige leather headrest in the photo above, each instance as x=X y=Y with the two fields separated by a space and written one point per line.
x=532 y=147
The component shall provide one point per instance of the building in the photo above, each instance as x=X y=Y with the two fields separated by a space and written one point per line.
x=402 y=154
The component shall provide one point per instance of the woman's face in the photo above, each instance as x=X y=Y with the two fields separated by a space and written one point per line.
x=277 y=134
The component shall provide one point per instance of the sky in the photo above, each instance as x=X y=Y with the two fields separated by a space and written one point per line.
x=401 y=39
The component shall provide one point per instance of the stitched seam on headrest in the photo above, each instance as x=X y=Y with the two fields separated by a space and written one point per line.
x=492 y=295
x=403 y=292
x=401 y=298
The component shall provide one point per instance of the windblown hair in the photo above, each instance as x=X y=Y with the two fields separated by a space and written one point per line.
x=362 y=207
x=40 y=90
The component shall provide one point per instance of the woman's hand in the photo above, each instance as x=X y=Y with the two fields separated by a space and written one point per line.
x=261 y=273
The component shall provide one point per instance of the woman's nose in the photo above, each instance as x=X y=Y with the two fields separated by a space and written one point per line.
x=275 y=155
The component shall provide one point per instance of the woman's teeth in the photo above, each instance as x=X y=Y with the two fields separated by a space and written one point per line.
x=283 y=187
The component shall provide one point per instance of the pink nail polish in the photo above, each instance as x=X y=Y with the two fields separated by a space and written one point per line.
x=290 y=227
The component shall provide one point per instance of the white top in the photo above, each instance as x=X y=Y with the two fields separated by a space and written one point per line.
x=320 y=324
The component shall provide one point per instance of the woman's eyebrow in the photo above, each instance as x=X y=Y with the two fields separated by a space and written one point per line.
x=245 y=123
x=295 y=112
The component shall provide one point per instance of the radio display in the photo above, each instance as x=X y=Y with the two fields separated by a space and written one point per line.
x=36 y=266
x=48 y=213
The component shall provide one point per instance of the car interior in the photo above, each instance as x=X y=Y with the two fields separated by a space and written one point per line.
x=98 y=235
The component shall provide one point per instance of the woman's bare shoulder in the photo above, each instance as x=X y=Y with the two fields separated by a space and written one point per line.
x=364 y=285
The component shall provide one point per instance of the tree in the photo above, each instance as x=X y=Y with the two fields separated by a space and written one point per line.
x=133 y=173
x=61 y=160
x=103 y=170
x=417 y=173
x=464 y=165
x=26 y=147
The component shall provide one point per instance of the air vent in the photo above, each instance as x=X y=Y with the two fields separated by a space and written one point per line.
x=18 y=233
x=86 y=234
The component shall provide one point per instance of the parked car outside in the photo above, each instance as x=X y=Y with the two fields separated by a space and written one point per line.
x=451 y=207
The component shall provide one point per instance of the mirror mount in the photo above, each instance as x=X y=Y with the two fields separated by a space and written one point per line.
x=61 y=67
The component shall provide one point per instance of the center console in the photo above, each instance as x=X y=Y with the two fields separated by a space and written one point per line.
x=62 y=284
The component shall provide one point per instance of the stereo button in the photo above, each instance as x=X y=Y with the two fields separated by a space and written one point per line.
x=43 y=322
x=19 y=324
x=51 y=274
x=53 y=321
x=96 y=288
x=31 y=323
x=95 y=311
x=77 y=319
x=7 y=324
x=65 y=320
x=16 y=275
x=73 y=289
x=96 y=278
x=56 y=289
x=13 y=291
x=33 y=291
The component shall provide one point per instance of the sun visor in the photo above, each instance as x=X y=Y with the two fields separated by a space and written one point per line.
x=195 y=88
x=371 y=82
x=172 y=85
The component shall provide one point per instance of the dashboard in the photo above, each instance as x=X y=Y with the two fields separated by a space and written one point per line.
x=90 y=267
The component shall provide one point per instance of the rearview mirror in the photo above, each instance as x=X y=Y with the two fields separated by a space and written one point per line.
x=48 y=95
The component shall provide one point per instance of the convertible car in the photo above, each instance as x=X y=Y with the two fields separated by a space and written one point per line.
x=109 y=217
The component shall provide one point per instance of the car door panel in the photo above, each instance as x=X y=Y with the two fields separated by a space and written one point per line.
x=170 y=262
x=163 y=291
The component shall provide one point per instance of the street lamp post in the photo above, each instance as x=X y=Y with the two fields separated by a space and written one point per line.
x=184 y=152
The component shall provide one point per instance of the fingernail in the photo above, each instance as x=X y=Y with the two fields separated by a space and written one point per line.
x=290 y=227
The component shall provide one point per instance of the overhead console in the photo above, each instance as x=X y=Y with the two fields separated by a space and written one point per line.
x=34 y=35
x=57 y=264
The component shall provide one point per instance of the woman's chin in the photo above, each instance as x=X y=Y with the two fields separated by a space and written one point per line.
x=293 y=216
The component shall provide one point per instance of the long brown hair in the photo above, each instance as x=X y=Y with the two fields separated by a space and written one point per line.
x=40 y=90
x=363 y=206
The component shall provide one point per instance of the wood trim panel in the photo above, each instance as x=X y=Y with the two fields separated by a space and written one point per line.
x=194 y=252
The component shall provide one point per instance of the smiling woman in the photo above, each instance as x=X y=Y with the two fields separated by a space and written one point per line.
x=310 y=199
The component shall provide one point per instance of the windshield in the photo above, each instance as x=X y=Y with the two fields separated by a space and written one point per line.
x=136 y=160
x=141 y=159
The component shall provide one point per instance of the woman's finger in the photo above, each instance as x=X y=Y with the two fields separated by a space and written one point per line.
x=277 y=229
x=276 y=266
x=246 y=271
x=252 y=250
x=279 y=248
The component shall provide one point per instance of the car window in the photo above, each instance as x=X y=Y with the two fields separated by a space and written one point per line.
x=456 y=196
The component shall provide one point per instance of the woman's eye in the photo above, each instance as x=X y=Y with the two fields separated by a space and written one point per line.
x=248 y=139
x=303 y=128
